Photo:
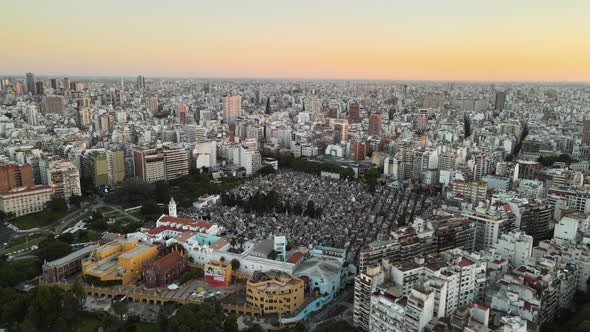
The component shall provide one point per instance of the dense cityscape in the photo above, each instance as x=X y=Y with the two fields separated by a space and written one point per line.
x=305 y=166
x=294 y=205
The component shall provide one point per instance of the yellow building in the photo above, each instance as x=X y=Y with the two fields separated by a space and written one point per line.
x=217 y=273
x=275 y=292
x=119 y=261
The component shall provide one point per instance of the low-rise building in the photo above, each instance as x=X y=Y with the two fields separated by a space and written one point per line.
x=23 y=201
x=164 y=270
x=274 y=291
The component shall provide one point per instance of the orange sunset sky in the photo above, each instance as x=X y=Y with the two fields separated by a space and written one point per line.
x=398 y=40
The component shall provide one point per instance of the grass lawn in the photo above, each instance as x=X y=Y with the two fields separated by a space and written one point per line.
x=40 y=219
x=22 y=244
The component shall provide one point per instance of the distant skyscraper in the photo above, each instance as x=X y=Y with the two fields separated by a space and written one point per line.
x=30 y=79
x=53 y=82
x=39 y=88
x=84 y=117
x=67 y=84
x=231 y=109
x=354 y=112
x=33 y=116
x=340 y=130
x=500 y=101
x=359 y=151
x=151 y=104
x=375 y=124
x=140 y=82
x=54 y=104
x=586 y=132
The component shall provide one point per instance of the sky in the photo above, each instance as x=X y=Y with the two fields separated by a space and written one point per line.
x=506 y=40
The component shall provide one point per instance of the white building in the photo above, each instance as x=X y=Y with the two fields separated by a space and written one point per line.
x=23 y=201
x=516 y=247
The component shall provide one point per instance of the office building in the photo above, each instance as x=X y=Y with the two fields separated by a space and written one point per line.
x=15 y=176
x=232 y=107
x=151 y=104
x=54 y=104
x=39 y=88
x=140 y=83
x=64 y=178
x=500 y=102
x=30 y=82
x=375 y=125
x=354 y=113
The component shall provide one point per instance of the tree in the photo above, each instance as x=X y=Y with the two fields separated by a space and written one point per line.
x=273 y=254
x=299 y=327
x=255 y=328
x=162 y=192
x=235 y=264
x=150 y=210
x=52 y=249
x=79 y=292
x=230 y=324
x=75 y=200
x=120 y=308
x=222 y=259
x=266 y=170
x=370 y=176
x=57 y=204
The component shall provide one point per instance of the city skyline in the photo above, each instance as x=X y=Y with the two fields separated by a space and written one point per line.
x=457 y=40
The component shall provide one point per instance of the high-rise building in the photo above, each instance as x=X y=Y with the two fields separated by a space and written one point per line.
x=115 y=166
x=491 y=222
x=14 y=176
x=375 y=124
x=30 y=81
x=149 y=164
x=140 y=84
x=151 y=104
x=516 y=247
x=53 y=83
x=176 y=161
x=500 y=101
x=95 y=167
x=358 y=151
x=33 y=115
x=64 y=178
x=166 y=162
x=54 y=104
x=354 y=113
x=84 y=117
x=194 y=134
x=232 y=107
x=586 y=132
x=67 y=84
x=340 y=130
x=39 y=88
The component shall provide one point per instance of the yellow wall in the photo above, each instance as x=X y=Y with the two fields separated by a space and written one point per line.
x=132 y=265
x=285 y=299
